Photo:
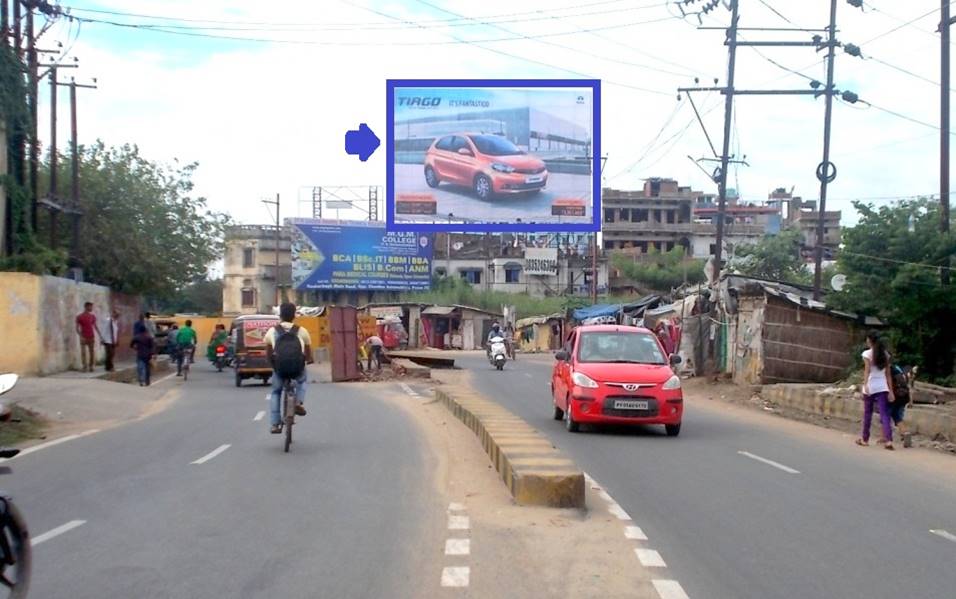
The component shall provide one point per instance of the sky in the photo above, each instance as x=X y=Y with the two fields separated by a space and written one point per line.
x=265 y=111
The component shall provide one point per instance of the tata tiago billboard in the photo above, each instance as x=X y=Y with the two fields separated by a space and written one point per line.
x=493 y=155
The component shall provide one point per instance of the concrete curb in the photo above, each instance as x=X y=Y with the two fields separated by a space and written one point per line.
x=932 y=422
x=533 y=470
x=409 y=368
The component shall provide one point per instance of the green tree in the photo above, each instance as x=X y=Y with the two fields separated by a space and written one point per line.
x=773 y=257
x=891 y=259
x=142 y=229
x=203 y=296
x=658 y=271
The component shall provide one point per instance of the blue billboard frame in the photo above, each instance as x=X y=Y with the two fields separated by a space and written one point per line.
x=392 y=225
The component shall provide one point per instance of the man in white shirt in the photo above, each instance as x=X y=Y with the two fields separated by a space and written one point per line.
x=110 y=338
x=275 y=350
x=375 y=345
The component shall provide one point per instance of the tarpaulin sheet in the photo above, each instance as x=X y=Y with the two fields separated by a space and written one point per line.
x=595 y=311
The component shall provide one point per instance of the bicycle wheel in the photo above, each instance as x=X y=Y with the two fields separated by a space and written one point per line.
x=15 y=552
x=289 y=415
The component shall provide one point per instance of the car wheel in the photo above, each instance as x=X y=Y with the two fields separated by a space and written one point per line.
x=558 y=412
x=483 y=187
x=672 y=429
x=569 y=422
x=431 y=177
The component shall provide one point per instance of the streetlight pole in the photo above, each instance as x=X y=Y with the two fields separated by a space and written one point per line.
x=278 y=234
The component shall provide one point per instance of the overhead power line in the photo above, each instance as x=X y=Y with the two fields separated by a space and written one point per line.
x=362 y=24
x=901 y=26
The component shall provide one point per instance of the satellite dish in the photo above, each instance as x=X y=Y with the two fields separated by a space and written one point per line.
x=838 y=282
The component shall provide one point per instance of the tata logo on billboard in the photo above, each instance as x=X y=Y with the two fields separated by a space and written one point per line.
x=418 y=101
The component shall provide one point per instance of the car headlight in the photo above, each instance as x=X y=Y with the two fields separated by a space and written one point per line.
x=672 y=383
x=502 y=168
x=582 y=380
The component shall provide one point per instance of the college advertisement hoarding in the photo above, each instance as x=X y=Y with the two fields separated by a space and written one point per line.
x=493 y=155
x=335 y=255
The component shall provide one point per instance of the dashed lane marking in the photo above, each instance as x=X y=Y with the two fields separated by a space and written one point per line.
x=944 y=534
x=455 y=576
x=457 y=546
x=650 y=558
x=259 y=415
x=617 y=511
x=63 y=528
x=776 y=465
x=212 y=454
x=34 y=448
x=455 y=507
x=634 y=533
x=458 y=522
x=669 y=589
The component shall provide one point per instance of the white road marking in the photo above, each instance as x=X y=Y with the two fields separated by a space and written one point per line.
x=669 y=589
x=458 y=522
x=165 y=378
x=57 y=531
x=777 y=465
x=34 y=448
x=259 y=415
x=455 y=507
x=455 y=576
x=650 y=558
x=618 y=512
x=268 y=396
x=529 y=375
x=212 y=454
x=457 y=546
x=409 y=390
x=634 y=533
x=945 y=534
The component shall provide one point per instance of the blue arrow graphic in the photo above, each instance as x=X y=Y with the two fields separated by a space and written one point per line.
x=361 y=141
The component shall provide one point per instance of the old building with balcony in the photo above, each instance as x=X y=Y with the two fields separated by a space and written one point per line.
x=250 y=279
x=807 y=219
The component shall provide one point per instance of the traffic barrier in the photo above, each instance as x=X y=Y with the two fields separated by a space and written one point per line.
x=533 y=470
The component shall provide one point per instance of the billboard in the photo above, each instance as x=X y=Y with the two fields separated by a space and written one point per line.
x=493 y=155
x=358 y=255
x=541 y=261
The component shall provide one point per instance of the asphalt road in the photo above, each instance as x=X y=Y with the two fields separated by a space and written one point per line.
x=850 y=522
x=529 y=207
x=335 y=517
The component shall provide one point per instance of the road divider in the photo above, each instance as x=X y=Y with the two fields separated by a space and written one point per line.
x=533 y=470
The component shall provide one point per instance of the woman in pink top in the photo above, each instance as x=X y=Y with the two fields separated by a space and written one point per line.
x=876 y=389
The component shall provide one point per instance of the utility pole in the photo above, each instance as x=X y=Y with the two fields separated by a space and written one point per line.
x=4 y=24
x=944 y=133
x=74 y=210
x=34 y=143
x=826 y=171
x=728 y=118
x=278 y=237
x=594 y=272
x=54 y=195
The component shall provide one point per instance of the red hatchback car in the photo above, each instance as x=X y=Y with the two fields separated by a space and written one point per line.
x=610 y=374
x=489 y=164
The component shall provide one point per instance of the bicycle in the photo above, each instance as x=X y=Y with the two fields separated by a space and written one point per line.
x=288 y=410
x=15 y=546
x=186 y=356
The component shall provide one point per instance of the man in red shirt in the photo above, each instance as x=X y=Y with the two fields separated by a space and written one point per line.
x=86 y=329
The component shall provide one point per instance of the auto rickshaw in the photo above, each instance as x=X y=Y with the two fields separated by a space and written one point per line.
x=247 y=335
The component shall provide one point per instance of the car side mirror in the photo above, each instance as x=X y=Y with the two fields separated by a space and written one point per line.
x=465 y=152
x=675 y=359
x=561 y=355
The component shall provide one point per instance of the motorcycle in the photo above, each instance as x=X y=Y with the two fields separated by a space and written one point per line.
x=223 y=359
x=498 y=354
x=15 y=547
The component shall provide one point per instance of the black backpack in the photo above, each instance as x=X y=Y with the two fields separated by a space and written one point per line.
x=287 y=356
x=901 y=386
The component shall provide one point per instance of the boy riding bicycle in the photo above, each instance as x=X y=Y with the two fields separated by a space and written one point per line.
x=186 y=345
x=289 y=349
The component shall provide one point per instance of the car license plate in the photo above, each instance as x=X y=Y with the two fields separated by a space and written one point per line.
x=534 y=180
x=630 y=405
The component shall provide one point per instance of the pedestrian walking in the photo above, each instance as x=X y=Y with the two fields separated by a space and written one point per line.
x=900 y=383
x=86 y=330
x=145 y=347
x=110 y=338
x=150 y=323
x=877 y=389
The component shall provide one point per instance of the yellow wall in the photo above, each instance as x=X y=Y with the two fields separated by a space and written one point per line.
x=204 y=326
x=19 y=322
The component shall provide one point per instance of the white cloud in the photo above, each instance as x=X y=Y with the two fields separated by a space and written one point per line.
x=267 y=118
